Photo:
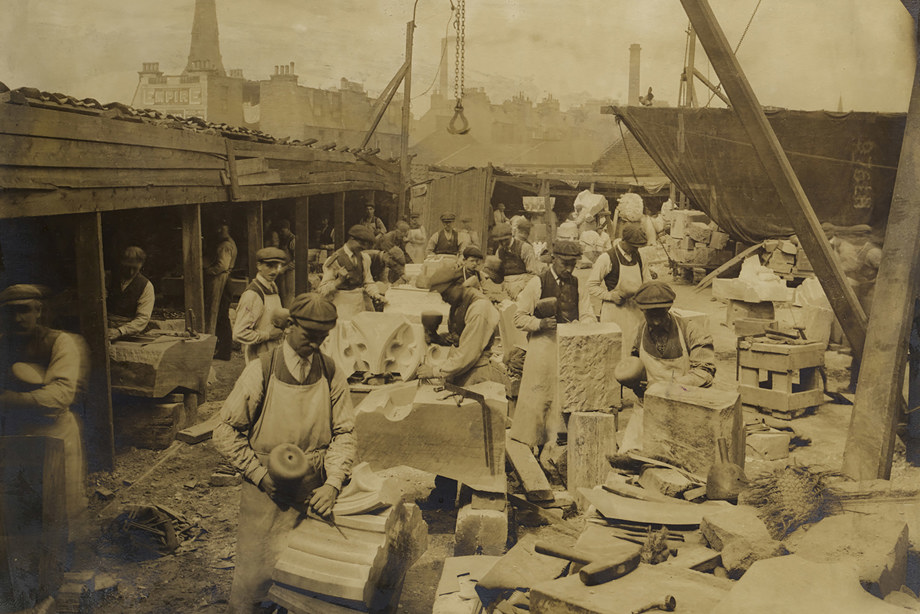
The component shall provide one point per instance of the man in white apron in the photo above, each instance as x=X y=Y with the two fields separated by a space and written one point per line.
x=615 y=278
x=671 y=350
x=537 y=417
x=347 y=274
x=254 y=326
x=294 y=395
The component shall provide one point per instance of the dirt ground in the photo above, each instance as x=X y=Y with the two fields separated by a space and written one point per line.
x=197 y=576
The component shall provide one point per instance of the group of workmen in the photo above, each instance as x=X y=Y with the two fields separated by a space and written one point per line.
x=292 y=393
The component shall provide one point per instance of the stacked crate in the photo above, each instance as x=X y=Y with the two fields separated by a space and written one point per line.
x=787 y=257
x=782 y=379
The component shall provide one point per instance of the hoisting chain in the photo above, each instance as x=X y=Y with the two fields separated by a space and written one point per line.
x=459 y=70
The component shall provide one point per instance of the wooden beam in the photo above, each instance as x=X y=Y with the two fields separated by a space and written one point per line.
x=99 y=433
x=45 y=178
x=404 y=163
x=254 y=236
x=777 y=167
x=16 y=203
x=302 y=245
x=870 y=441
x=192 y=269
x=231 y=169
x=338 y=213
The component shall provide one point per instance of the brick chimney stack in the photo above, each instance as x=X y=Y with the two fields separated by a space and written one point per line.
x=205 y=48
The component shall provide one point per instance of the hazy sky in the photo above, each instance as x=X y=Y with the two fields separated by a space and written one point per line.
x=802 y=54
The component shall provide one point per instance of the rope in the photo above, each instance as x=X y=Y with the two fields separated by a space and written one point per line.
x=626 y=149
x=441 y=59
x=738 y=46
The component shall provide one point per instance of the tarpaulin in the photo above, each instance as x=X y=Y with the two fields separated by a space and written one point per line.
x=846 y=163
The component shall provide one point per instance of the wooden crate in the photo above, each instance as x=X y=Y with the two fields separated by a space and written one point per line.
x=780 y=379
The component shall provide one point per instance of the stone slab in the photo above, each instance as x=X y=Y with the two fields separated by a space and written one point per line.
x=666 y=481
x=750 y=291
x=587 y=356
x=528 y=469
x=741 y=536
x=480 y=532
x=683 y=423
x=740 y=310
x=768 y=446
x=592 y=438
x=521 y=567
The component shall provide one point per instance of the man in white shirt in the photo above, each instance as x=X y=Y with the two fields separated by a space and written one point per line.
x=129 y=300
x=259 y=314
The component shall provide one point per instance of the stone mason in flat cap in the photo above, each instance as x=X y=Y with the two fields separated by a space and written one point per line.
x=271 y=254
x=654 y=295
x=361 y=233
x=501 y=231
x=634 y=234
x=442 y=279
x=567 y=249
x=312 y=311
x=524 y=224
x=471 y=251
x=448 y=217
x=20 y=293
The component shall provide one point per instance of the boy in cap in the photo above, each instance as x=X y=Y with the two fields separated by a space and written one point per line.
x=614 y=279
x=292 y=395
x=537 y=419
x=39 y=376
x=446 y=240
x=255 y=326
x=129 y=298
x=347 y=274
x=217 y=294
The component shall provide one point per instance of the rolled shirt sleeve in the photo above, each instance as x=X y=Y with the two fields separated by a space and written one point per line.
x=526 y=303
x=595 y=283
x=248 y=313
x=142 y=315
x=702 y=353
x=481 y=320
x=343 y=448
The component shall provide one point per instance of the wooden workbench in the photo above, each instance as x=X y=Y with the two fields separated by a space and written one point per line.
x=155 y=367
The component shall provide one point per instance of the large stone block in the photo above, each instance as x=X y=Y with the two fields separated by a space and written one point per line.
x=592 y=437
x=480 y=531
x=741 y=536
x=878 y=543
x=587 y=355
x=684 y=423
x=751 y=290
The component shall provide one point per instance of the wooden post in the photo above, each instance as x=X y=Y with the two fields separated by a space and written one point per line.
x=338 y=212
x=99 y=432
x=777 y=167
x=302 y=245
x=192 y=270
x=913 y=389
x=404 y=166
x=254 y=236
x=870 y=442
x=549 y=216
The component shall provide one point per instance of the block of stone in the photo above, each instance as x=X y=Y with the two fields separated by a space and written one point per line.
x=617 y=484
x=475 y=567
x=768 y=445
x=688 y=315
x=666 y=481
x=878 y=543
x=592 y=438
x=695 y=592
x=156 y=367
x=377 y=343
x=366 y=492
x=737 y=310
x=521 y=567
x=480 y=532
x=781 y=262
x=528 y=469
x=225 y=479
x=683 y=423
x=700 y=232
x=587 y=355
x=719 y=240
x=410 y=424
x=741 y=536
x=750 y=291
x=413 y=302
x=747 y=327
x=696 y=557
x=794 y=584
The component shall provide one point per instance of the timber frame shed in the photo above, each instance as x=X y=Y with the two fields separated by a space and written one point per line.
x=77 y=160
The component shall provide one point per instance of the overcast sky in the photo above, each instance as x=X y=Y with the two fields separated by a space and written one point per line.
x=802 y=54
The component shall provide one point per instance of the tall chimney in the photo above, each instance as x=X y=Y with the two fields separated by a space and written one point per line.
x=442 y=72
x=633 y=96
x=205 y=48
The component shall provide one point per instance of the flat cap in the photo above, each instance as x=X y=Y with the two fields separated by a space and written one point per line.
x=442 y=279
x=472 y=251
x=310 y=310
x=501 y=231
x=654 y=294
x=448 y=217
x=567 y=249
x=133 y=255
x=362 y=233
x=524 y=224
x=20 y=292
x=634 y=234
x=271 y=254
x=397 y=255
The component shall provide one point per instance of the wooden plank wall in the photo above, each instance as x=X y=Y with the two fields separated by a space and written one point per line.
x=465 y=194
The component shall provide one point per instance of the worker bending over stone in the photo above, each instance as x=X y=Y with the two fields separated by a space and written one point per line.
x=347 y=274
x=614 y=279
x=471 y=326
x=518 y=260
x=129 y=298
x=671 y=350
x=257 y=326
x=292 y=395
x=553 y=297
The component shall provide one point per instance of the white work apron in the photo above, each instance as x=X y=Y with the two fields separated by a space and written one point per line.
x=298 y=414
x=348 y=303
x=217 y=290
x=64 y=426
x=537 y=418
x=271 y=303
x=627 y=316
x=657 y=370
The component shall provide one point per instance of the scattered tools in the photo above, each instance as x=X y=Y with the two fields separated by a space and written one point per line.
x=669 y=604
x=598 y=568
x=725 y=480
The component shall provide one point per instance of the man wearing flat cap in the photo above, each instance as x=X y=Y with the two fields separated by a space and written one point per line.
x=614 y=279
x=129 y=297
x=446 y=240
x=471 y=325
x=259 y=314
x=217 y=291
x=347 y=277
x=291 y=395
x=551 y=298
x=519 y=261
x=40 y=371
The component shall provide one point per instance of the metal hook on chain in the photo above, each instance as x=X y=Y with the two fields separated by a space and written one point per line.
x=458 y=115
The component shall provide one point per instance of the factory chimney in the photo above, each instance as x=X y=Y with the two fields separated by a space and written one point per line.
x=205 y=48
x=442 y=72
x=633 y=96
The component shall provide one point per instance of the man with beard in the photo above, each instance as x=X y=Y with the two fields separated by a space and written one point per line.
x=257 y=323
x=129 y=299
